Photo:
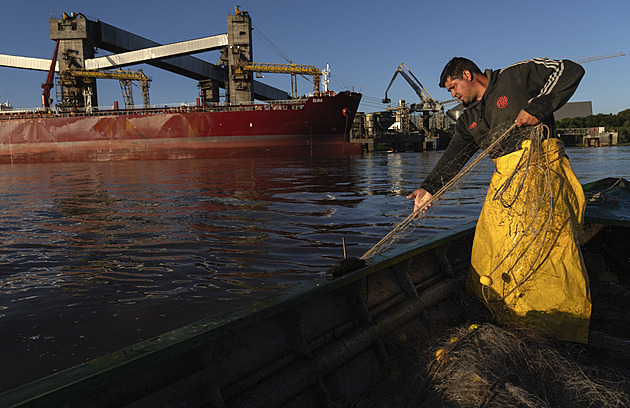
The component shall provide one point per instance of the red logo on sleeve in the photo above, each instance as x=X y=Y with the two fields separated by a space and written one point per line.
x=472 y=125
x=502 y=102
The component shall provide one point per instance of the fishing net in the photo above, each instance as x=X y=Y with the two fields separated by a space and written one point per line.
x=528 y=226
x=526 y=194
x=488 y=366
x=526 y=263
x=537 y=206
x=416 y=218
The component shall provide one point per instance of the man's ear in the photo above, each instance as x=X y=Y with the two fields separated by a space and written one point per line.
x=467 y=75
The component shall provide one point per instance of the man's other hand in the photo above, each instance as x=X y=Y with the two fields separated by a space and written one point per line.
x=420 y=198
x=525 y=119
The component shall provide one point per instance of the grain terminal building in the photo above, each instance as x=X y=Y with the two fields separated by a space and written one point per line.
x=574 y=110
x=570 y=110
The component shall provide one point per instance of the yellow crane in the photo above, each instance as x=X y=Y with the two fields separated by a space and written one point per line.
x=292 y=69
x=125 y=78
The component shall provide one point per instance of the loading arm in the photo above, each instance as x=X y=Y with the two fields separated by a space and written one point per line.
x=428 y=103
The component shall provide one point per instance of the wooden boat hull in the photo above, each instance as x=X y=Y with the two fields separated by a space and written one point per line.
x=324 y=343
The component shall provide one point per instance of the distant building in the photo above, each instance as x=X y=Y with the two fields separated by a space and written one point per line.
x=5 y=106
x=455 y=113
x=574 y=110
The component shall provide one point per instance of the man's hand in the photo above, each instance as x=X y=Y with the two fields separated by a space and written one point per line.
x=420 y=198
x=524 y=119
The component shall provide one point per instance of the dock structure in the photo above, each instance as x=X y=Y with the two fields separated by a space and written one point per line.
x=397 y=130
x=399 y=142
x=416 y=126
x=77 y=36
x=600 y=139
x=589 y=137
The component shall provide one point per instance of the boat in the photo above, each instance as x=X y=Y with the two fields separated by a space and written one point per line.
x=335 y=340
x=314 y=125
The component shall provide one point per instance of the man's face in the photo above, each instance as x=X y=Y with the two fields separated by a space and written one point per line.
x=461 y=88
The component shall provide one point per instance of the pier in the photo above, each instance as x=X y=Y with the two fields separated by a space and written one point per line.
x=401 y=129
x=589 y=137
x=400 y=142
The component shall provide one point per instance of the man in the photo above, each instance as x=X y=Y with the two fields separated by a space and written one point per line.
x=526 y=265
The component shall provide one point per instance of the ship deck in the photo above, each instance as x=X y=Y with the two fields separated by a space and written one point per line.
x=108 y=111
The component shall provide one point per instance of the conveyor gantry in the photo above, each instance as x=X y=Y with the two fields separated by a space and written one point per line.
x=78 y=36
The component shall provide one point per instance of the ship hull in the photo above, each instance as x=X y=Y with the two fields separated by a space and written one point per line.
x=316 y=126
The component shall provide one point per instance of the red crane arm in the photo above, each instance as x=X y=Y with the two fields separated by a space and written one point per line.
x=47 y=86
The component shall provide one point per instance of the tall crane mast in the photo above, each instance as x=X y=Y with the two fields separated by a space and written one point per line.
x=601 y=57
x=595 y=58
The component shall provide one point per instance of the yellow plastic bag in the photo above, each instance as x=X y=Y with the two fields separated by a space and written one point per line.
x=526 y=262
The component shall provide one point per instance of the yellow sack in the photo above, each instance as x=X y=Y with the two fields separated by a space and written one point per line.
x=526 y=250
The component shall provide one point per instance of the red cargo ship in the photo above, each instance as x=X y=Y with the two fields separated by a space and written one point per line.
x=317 y=125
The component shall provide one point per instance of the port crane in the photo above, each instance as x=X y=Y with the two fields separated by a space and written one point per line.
x=126 y=79
x=292 y=69
x=428 y=106
x=79 y=37
x=70 y=75
x=47 y=86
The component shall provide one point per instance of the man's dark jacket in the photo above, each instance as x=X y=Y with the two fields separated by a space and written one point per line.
x=540 y=86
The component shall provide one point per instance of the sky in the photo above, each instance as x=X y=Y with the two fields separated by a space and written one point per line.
x=362 y=41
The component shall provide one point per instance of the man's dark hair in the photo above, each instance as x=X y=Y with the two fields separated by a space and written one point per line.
x=455 y=69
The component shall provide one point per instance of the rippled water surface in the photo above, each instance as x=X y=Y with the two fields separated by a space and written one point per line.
x=98 y=256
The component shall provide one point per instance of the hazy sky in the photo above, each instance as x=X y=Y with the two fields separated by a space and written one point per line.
x=363 y=41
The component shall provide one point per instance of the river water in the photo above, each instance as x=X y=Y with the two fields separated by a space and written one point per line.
x=98 y=256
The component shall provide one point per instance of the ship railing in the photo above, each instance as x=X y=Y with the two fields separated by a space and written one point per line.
x=291 y=104
x=19 y=111
x=287 y=104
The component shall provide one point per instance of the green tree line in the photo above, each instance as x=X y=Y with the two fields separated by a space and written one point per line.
x=613 y=123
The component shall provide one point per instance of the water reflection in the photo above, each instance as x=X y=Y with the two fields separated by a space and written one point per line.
x=97 y=256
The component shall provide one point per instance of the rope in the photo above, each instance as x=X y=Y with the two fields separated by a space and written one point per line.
x=396 y=232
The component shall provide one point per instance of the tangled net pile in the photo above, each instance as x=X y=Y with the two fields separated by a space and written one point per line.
x=488 y=367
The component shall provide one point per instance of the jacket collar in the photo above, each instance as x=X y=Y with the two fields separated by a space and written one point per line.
x=492 y=79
